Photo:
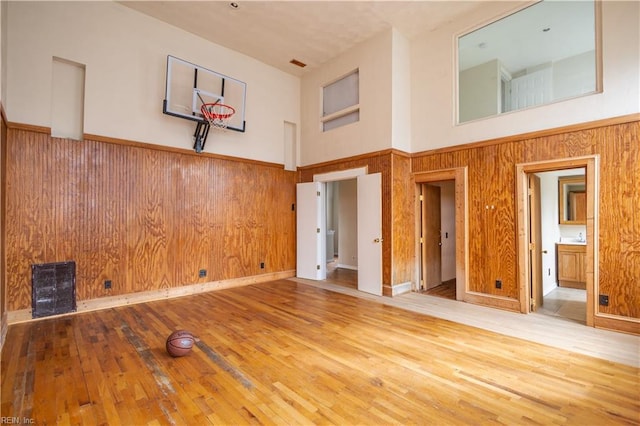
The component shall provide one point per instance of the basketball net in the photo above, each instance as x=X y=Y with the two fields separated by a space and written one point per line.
x=217 y=114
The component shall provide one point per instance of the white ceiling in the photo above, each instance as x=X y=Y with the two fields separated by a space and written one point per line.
x=313 y=32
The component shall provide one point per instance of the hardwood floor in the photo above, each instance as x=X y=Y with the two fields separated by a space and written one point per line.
x=289 y=353
x=539 y=328
x=447 y=290
x=342 y=276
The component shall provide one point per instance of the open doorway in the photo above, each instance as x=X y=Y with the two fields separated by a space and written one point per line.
x=557 y=230
x=342 y=236
x=437 y=239
x=311 y=227
x=442 y=256
x=557 y=223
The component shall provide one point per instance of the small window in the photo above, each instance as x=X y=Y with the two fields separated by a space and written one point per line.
x=341 y=102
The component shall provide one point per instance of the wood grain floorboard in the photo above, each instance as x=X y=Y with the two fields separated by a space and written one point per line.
x=553 y=331
x=446 y=289
x=310 y=355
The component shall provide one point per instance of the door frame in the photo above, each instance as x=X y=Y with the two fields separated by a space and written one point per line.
x=590 y=164
x=459 y=176
x=535 y=240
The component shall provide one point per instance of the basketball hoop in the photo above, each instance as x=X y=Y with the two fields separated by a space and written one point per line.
x=217 y=114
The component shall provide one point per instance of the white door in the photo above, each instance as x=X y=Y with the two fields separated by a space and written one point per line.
x=310 y=263
x=370 y=233
x=531 y=89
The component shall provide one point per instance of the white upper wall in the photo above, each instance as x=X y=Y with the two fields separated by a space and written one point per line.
x=401 y=92
x=125 y=56
x=3 y=50
x=433 y=80
x=407 y=87
x=373 y=132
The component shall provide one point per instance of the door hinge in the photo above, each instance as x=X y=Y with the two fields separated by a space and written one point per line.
x=421 y=240
x=533 y=304
x=318 y=267
x=531 y=246
x=318 y=193
x=421 y=197
x=317 y=230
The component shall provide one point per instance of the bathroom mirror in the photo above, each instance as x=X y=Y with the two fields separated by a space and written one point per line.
x=572 y=200
x=538 y=55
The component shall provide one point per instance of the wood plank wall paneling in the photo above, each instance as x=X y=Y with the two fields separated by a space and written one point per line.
x=619 y=240
x=402 y=212
x=144 y=218
x=493 y=234
x=3 y=180
x=149 y=219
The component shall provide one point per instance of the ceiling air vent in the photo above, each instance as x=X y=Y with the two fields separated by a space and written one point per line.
x=297 y=63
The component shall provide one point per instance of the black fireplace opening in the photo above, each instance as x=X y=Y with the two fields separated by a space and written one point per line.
x=53 y=288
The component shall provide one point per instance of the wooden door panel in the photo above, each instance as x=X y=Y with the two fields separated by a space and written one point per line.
x=431 y=224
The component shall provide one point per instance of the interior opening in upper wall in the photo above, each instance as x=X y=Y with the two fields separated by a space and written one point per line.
x=541 y=54
x=341 y=102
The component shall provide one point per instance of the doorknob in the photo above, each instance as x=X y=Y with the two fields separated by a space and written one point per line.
x=378 y=240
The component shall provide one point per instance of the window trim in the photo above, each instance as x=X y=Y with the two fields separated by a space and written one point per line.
x=341 y=113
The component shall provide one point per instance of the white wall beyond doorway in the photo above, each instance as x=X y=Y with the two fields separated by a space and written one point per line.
x=448 y=228
x=348 y=225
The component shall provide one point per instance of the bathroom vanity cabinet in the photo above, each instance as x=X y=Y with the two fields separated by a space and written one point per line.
x=571 y=265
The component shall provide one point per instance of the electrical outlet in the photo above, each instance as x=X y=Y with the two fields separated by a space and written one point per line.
x=604 y=300
x=202 y=273
x=261 y=265
x=498 y=283
x=107 y=284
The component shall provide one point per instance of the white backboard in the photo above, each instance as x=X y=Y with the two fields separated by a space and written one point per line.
x=188 y=86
